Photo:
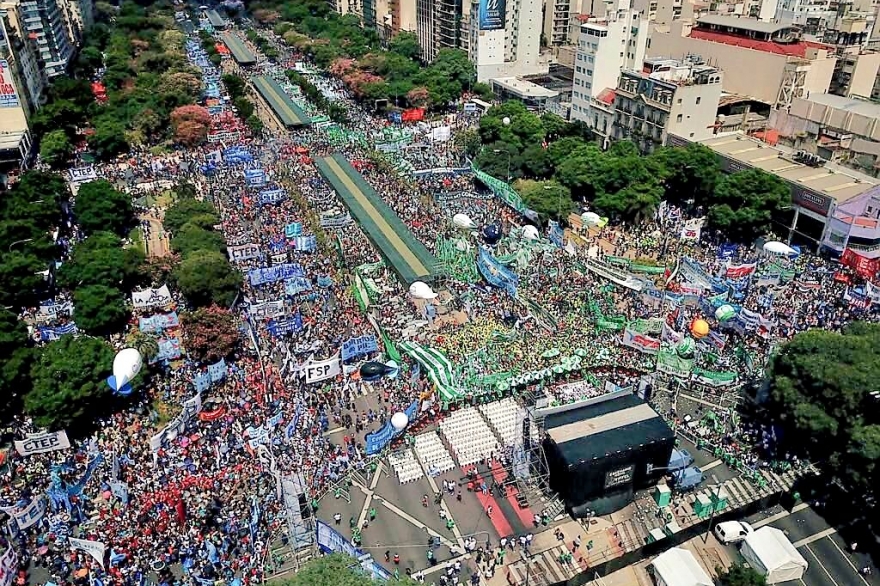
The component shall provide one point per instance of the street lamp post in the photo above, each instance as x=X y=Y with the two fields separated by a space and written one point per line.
x=25 y=241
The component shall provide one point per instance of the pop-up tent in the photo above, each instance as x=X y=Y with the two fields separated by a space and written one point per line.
x=679 y=567
x=770 y=552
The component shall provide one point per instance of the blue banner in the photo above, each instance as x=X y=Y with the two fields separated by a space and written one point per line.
x=76 y=489
x=325 y=281
x=201 y=382
x=293 y=230
x=330 y=540
x=359 y=346
x=237 y=155
x=255 y=177
x=297 y=285
x=275 y=273
x=557 y=234
x=497 y=274
x=727 y=251
x=376 y=441
x=272 y=196
x=169 y=349
x=279 y=327
x=304 y=243
x=217 y=370
x=157 y=323
x=49 y=334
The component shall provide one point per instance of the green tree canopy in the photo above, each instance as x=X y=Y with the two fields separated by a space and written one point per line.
x=16 y=356
x=56 y=148
x=822 y=388
x=99 y=310
x=333 y=570
x=549 y=198
x=740 y=575
x=101 y=207
x=188 y=210
x=691 y=172
x=205 y=277
x=191 y=238
x=744 y=203
x=101 y=260
x=69 y=388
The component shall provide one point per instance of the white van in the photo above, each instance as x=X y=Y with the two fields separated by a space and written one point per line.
x=732 y=531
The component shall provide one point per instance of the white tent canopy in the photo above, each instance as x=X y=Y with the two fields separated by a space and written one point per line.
x=770 y=552
x=679 y=567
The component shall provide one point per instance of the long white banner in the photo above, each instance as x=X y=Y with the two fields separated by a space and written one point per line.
x=151 y=297
x=318 y=371
x=28 y=515
x=39 y=443
x=94 y=548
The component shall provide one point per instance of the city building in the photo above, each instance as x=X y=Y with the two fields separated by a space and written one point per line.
x=343 y=7
x=43 y=22
x=769 y=62
x=504 y=38
x=549 y=92
x=15 y=137
x=79 y=16
x=818 y=188
x=837 y=129
x=394 y=16
x=23 y=65
x=666 y=97
x=605 y=47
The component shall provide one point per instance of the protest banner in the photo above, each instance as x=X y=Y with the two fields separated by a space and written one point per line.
x=317 y=371
x=40 y=443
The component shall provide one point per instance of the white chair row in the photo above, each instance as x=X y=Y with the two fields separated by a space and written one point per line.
x=469 y=437
x=432 y=453
x=405 y=466
x=505 y=418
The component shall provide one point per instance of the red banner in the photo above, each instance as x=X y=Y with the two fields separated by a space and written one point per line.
x=864 y=266
x=413 y=115
x=740 y=271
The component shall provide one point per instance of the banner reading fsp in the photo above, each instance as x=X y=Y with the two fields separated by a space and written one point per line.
x=318 y=371
x=492 y=14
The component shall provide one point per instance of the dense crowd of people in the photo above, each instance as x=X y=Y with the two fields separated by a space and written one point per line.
x=202 y=505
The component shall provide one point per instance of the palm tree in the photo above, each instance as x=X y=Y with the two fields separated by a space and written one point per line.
x=146 y=344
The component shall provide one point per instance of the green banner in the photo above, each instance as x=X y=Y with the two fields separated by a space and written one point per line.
x=671 y=363
x=714 y=379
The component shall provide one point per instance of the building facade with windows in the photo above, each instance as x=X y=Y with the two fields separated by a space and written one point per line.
x=605 y=47
x=666 y=97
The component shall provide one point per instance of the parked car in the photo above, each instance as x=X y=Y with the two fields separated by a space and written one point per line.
x=732 y=531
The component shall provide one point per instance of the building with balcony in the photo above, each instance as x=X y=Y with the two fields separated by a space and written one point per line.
x=504 y=41
x=606 y=46
x=837 y=129
x=769 y=62
x=667 y=97
x=23 y=65
x=44 y=23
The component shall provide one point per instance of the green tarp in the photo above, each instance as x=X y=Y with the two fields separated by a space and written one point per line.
x=404 y=253
x=288 y=113
x=240 y=52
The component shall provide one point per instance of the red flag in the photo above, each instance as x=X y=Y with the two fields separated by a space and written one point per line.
x=181 y=511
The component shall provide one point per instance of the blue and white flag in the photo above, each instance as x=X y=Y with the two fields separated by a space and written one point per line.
x=50 y=334
x=497 y=274
x=217 y=371
x=304 y=243
x=293 y=230
x=297 y=285
x=272 y=196
x=275 y=273
x=279 y=327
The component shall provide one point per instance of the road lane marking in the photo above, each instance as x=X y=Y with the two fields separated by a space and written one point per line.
x=815 y=537
x=710 y=465
x=852 y=565
x=821 y=565
x=798 y=507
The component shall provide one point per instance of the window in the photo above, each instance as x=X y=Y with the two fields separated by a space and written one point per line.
x=678 y=101
x=678 y=118
x=699 y=99
x=589 y=72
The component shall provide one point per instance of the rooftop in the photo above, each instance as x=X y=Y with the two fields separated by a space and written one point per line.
x=861 y=107
x=524 y=88
x=836 y=182
x=798 y=49
x=749 y=24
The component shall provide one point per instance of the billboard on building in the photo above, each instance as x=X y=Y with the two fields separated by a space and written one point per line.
x=492 y=14
x=8 y=94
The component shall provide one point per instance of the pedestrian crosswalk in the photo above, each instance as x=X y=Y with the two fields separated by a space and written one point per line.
x=545 y=568
x=738 y=491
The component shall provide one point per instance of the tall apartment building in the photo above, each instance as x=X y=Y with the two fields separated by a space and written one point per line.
x=79 y=15
x=666 y=97
x=504 y=38
x=606 y=46
x=16 y=62
x=23 y=65
x=769 y=62
x=441 y=24
x=43 y=22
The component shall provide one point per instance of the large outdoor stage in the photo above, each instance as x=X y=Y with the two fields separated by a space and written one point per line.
x=404 y=253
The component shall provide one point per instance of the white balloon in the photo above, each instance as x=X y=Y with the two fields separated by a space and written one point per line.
x=775 y=247
x=591 y=218
x=126 y=365
x=421 y=290
x=399 y=421
x=463 y=221
x=506 y=120
x=530 y=233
